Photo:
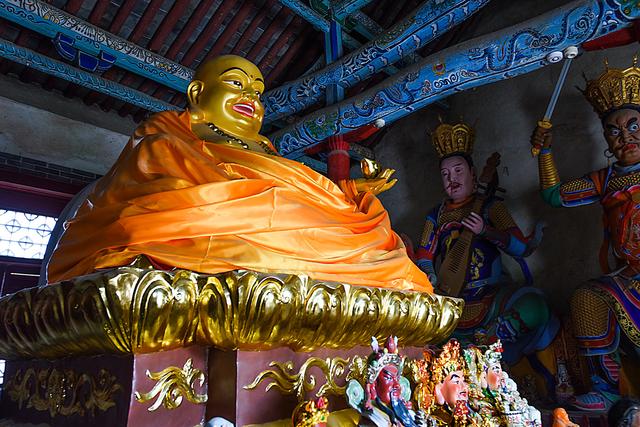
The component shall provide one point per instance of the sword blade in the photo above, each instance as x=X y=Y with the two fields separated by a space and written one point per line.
x=557 y=89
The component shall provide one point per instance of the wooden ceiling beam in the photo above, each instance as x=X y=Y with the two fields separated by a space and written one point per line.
x=230 y=30
x=167 y=24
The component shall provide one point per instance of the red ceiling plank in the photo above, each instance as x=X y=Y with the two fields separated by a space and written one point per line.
x=98 y=11
x=204 y=38
x=191 y=25
x=4 y=29
x=271 y=59
x=123 y=13
x=145 y=20
x=305 y=60
x=147 y=87
x=175 y=99
x=251 y=29
x=285 y=60
x=73 y=6
x=230 y=30
x=290 y=30
x=167 y=24
x=268 y=33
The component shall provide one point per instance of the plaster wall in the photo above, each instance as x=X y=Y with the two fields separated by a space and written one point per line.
x=504 y=115
x=46 y=126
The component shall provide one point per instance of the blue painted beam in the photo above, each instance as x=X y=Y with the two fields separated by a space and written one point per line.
x=423 y=25
x=364 y=25
x=308 y=14
x=65 y=71
x=501 y=55
x=333 y=52
x=371 y=29
x=347 y=7
x=45 y=19
x=316 y=165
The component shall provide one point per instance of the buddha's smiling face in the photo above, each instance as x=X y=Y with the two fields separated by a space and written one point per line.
x=226 y=92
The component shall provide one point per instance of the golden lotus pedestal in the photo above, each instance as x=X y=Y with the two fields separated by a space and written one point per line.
x=136 y=347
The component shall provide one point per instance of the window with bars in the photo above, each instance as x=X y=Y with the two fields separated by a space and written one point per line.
x=24 y=235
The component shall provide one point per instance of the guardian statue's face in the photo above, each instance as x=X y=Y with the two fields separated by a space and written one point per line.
x=622 y=132
x=226 y=92
x=388 y=385
x=457 y=178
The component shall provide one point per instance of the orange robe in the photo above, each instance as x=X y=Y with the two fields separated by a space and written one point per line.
x=210 y=208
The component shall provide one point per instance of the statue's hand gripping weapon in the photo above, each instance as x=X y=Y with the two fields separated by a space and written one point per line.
x=569 y=53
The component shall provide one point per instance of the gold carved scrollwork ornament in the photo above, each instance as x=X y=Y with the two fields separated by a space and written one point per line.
x=172 y=385
x=62 y=392
x=135 y=309
x=284 y=378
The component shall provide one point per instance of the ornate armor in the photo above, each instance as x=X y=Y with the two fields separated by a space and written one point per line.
x=491 y=300
x=602 y=308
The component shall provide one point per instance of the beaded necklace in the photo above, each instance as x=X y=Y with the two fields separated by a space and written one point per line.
x=238 y=141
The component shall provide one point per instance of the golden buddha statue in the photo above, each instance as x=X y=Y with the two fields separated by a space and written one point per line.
x=202 y=190
x=224 y=99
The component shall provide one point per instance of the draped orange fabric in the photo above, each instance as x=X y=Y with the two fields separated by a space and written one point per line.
x=211 y=208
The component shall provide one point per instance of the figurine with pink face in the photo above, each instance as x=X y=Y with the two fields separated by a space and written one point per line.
x=441 y=390
x=461 y=249
x=479 y=374
x=384 y=399
x=494 y=376
x=503 y=391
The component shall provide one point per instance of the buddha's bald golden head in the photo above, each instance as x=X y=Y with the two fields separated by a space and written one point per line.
x=226 y=91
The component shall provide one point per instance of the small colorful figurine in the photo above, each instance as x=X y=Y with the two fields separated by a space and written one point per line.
x=441 y=390
x=385 y=398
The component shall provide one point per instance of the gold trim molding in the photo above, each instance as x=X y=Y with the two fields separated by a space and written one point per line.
x=336 y=374
x=135 y=310
x=284 y=378
x=62 y=392
x=172 y=384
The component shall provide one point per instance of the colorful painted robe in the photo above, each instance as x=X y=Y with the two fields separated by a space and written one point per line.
x=604 y=308
x=491 y=299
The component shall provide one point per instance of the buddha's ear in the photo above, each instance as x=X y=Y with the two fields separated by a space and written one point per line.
x=194 y=91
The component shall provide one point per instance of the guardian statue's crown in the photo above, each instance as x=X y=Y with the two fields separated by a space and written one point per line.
x=453 y=139
x=614 y=89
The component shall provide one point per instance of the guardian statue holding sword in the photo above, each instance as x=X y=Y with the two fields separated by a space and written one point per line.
x=605 y=311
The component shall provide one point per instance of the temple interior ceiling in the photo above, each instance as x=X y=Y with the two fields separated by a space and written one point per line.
x=130 y=58
x=281 y=42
